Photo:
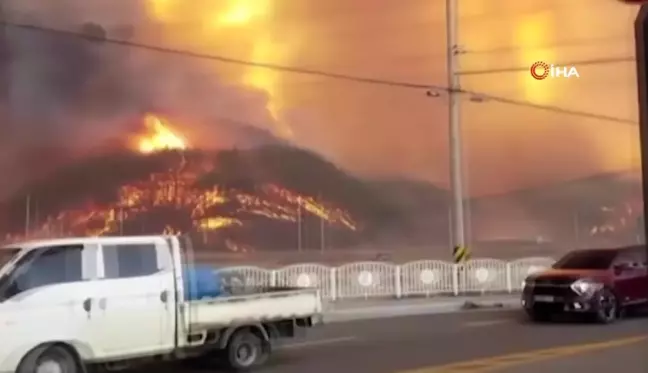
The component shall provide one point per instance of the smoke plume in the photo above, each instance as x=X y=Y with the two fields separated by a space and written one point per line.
x=67 y=95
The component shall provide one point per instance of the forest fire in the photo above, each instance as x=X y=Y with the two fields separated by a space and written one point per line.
x=207 y=208
x=618 y=219
x=159 y=136
x=177 y=200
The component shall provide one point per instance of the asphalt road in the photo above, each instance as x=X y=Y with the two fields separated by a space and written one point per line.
x=464 y=342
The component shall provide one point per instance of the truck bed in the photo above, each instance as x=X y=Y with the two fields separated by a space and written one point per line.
x=265 y=306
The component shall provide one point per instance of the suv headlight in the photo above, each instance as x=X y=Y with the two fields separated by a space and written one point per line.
x=586 y=286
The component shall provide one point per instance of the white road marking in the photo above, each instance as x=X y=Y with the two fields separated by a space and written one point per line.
x=477 y=324
x=318 y=342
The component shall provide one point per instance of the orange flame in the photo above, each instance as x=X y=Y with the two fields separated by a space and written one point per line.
x=159 y=137
x=206 y=208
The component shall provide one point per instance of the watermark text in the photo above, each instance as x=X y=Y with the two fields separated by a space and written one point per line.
x=542 y=70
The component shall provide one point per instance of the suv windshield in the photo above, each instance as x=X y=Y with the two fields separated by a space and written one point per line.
x=587 y=259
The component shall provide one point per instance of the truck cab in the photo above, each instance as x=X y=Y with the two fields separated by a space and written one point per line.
x=106 y=300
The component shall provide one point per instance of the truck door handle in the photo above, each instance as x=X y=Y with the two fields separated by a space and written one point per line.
x=87 y=305
x=164 y=296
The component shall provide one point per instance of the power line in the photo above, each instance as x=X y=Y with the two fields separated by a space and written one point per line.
x=223 y=59
x=305 y=71
x=597 y=61
x=591 y=42
x=555 y=109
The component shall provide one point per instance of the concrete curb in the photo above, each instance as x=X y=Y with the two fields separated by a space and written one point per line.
x=393 y=309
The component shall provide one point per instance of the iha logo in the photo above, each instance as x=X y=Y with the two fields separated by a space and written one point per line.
x=542 y=70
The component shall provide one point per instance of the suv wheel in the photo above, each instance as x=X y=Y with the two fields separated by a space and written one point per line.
x=608 y=307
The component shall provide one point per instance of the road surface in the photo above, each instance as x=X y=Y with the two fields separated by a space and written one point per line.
x=476 y=341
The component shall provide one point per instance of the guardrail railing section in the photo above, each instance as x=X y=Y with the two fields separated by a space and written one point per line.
x=519 y=269
x=483 y=275
x=360 y=280
x=367 y=280
x=428 y=277
x=238 y=280
x=307 y=275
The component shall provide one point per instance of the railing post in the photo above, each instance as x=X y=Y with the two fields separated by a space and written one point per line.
x=455 y=279
x=509 y=277
x=397 y=282
x=333 y=284
x=273 y=278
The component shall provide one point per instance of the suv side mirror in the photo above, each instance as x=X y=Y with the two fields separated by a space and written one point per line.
x=622 y=267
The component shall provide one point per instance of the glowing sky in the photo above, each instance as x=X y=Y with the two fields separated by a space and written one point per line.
x=384 y=130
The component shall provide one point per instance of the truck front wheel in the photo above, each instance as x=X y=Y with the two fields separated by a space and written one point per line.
x=245 y=351
x=49 y=359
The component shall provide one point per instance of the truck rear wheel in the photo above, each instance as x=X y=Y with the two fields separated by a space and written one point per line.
x=49 y=359
x=244 y=351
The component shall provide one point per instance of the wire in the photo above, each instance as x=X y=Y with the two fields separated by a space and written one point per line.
x=555 y=109
x=312 y=72
x=223 y=59
x=597 y=61
x=591 y=42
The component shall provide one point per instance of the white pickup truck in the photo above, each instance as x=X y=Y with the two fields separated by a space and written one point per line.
x=72 y=305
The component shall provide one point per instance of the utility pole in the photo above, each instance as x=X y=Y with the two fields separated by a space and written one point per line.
x=454 y=111
x=322 y=235
x=27 y=213
x=577 y=229
x=299 y=224
x=322 y=227
x=121 y=220
x=6 y=128
x=641 y=51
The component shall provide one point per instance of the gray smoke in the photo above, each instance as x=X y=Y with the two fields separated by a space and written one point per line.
x=72 y=93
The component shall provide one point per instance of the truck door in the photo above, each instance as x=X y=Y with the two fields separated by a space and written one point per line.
x=134 y=296
x=51 y=292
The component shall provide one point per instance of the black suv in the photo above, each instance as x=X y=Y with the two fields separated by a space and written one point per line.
x=601 y=283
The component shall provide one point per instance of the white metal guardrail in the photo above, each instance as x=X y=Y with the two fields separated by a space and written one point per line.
x=382 y=279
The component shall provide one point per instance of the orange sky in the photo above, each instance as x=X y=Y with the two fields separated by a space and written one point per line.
x=383 y=130
x=377 y=130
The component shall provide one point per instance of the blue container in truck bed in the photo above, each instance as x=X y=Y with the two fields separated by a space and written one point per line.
x=201 y=281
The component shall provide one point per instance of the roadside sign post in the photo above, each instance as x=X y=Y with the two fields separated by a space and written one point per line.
x=461 y=255
x=641 y=49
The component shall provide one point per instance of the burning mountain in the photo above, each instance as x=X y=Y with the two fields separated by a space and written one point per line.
x=594 y=211
x=242 y=199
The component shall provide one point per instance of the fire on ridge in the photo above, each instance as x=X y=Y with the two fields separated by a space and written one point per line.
x=159 y=136
x=175 y=201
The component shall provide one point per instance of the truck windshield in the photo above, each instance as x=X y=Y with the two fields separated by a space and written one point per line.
x=17 y=263
x=6 y=255
x=586 y=259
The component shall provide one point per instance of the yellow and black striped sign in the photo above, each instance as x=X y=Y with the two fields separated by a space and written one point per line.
x=460 y=254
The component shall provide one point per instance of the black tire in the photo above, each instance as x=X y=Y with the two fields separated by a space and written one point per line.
x=266 y=351
x=607 y=307
x=539 y=316
x=60 y=356
x=244 y=351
